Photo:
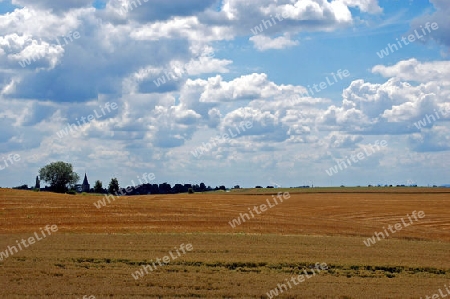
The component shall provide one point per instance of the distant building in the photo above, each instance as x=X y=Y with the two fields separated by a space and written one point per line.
x=38 y=183
x=85 y=187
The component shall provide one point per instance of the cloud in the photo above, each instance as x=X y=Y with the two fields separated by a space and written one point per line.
x=111 y=47
x=119 y=56
x=263 y=43
x=54 y=6
x=369 y=6
x=156 y=10
x=440 y=16
x=246 y=87
x=435 y=139
x=414 y=70
x=394 y=106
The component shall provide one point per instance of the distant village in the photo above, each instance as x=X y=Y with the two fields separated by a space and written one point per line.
x=142 y=189
x=163 y=188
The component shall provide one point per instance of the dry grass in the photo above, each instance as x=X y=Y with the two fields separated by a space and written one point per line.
x=357 y=214
x=222 y=266
x=95 y=251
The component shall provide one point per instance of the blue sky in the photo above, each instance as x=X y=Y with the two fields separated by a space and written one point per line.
x=186 y=76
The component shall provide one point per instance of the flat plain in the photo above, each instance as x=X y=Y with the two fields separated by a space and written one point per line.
x=96 y=251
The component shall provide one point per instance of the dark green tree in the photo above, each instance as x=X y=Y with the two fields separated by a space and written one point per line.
x=59 y=175
x=113 y=187
x=98 y=187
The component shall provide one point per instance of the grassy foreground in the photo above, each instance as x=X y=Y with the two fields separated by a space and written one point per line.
x=96 y=251
x=223 y=266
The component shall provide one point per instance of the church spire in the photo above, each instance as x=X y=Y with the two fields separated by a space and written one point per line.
x=85 y=187
x=85 y=181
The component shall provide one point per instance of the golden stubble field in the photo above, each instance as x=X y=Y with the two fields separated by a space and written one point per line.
x=96 y=251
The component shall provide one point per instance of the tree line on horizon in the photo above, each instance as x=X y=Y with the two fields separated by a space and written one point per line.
x=62 y=179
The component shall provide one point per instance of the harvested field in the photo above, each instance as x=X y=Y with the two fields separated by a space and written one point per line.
x=95 y=251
